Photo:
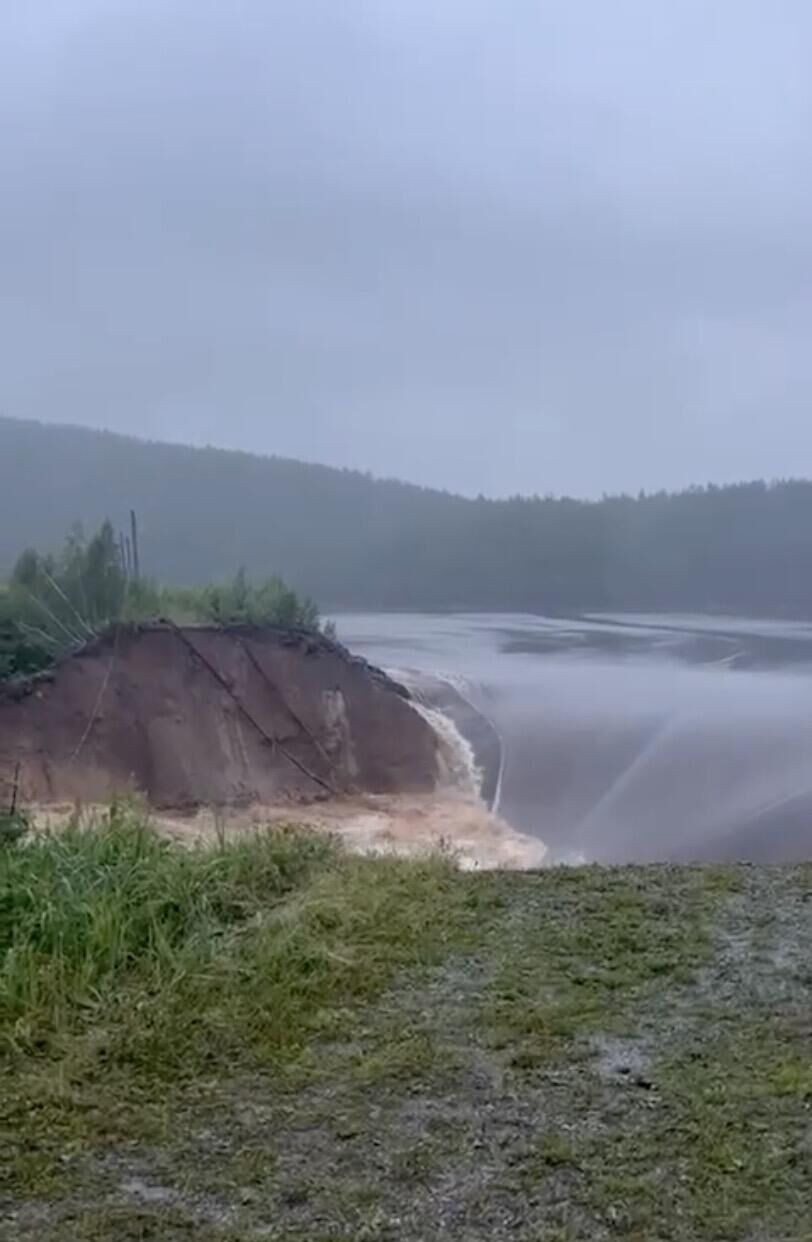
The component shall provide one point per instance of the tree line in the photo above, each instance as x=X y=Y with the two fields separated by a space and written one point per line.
x=352 y=541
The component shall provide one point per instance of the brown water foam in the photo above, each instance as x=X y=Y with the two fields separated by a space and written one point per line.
x=407 y=825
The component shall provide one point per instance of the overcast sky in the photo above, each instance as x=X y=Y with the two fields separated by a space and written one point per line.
x=490 y=245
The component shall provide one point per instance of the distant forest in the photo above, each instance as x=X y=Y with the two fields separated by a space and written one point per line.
x=352 y=541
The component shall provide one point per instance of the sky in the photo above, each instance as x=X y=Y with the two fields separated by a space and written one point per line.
x=498 y=246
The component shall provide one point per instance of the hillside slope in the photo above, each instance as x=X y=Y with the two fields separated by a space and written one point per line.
x=352 y=541
x=202 y=512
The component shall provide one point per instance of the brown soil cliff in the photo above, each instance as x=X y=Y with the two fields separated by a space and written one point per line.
x=202 y=716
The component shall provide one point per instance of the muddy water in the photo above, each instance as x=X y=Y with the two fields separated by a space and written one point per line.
x=630 y=737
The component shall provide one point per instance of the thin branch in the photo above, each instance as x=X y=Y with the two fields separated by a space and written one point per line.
x=97 y=705
x=60 y=592
x=35 y=629
x=74 y=638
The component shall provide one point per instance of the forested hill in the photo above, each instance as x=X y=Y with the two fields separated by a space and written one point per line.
x=353 y=541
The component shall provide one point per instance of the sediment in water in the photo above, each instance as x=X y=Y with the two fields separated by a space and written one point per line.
x=407 y=825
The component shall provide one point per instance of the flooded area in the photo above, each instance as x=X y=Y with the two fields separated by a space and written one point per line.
x=633 y=737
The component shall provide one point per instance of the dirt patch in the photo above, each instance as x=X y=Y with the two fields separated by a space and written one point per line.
x=212 y=717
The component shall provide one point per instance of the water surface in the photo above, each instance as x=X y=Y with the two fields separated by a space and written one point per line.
x=631 y=737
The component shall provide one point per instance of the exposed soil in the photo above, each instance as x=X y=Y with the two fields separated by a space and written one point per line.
x=212 y=717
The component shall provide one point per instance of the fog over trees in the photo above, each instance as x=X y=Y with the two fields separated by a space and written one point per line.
x=350 y=540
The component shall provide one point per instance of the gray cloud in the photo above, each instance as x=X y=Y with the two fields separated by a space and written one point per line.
x=499 y=247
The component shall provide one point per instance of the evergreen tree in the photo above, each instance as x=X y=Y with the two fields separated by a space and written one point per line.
x=102 y=579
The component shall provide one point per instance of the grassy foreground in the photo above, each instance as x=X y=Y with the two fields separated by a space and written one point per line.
x=273 y=1039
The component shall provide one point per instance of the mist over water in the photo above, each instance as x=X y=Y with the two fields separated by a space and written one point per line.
x=631 y=738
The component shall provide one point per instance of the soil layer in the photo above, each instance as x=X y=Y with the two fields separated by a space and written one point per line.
x=211 y=717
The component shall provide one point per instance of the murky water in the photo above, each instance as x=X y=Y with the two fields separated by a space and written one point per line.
x=634 y=737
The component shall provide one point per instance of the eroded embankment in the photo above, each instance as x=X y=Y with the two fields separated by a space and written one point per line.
x=212 y=717
x=228 y=729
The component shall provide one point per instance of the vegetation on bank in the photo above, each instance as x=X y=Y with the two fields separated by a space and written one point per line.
x=271 y=1038
x=192 y=957
x=54 y=602
x=356 y=542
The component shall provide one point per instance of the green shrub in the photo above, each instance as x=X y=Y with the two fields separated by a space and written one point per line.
x=241 y=601
x=54 y=603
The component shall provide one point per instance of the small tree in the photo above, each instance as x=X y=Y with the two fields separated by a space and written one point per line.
x=53 y=603
x=102 y=578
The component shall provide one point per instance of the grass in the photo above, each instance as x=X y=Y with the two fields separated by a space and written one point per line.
x=273 y=1038
x=610 y=936
x=14 y=824
x=187 y=958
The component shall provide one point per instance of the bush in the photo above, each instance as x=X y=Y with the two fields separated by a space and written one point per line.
x=20 y=656
x=53 y=604
x=242 y=601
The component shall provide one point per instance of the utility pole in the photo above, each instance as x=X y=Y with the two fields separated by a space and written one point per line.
x=136 y=558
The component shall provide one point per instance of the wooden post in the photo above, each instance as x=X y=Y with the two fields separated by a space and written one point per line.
x=13 y=808
x=136 y=558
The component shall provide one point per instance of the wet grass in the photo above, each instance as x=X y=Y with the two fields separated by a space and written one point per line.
x=275 y=1039
x=608 y=938
x=191 y=957
x=128 y=965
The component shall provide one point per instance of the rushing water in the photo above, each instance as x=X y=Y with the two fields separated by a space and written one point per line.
x=634 y=737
